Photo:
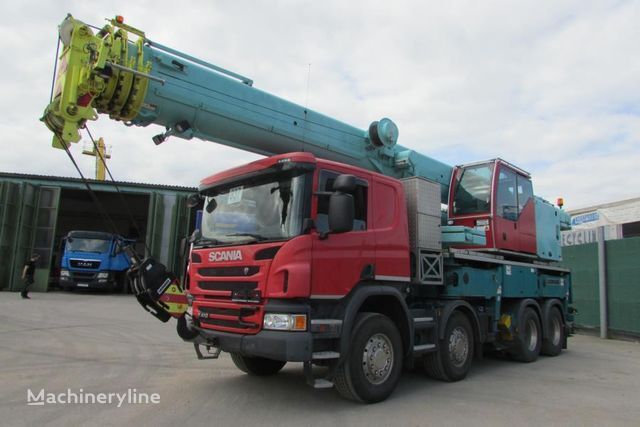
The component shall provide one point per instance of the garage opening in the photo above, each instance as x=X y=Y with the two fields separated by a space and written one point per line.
x=78 y=211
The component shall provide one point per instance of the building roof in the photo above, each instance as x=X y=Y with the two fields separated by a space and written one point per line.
x=614 y=213
x=609 y=205
x=61 y=180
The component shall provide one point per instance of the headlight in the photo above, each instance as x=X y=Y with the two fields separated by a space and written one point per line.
x=64 y=273
x=103 y=275
x=285 y=322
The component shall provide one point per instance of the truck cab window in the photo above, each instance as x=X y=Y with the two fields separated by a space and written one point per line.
x=525 y=192
x=506 y=203
x=472 y=190
x=359 y=196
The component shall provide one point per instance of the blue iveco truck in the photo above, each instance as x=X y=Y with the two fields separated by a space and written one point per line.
x=94 y=259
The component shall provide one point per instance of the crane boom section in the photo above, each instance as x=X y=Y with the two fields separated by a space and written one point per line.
x=118 y=72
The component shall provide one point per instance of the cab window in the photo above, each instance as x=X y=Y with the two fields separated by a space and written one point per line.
x=525 y=192
x=472 y=189
x=506 y=202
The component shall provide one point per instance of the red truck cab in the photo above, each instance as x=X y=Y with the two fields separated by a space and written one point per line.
x=267 y=260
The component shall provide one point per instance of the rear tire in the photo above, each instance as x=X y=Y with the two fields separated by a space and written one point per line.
x=552 y=343
x=526 y=347
x=258 y=366
x=453 y=359
x=372 y=368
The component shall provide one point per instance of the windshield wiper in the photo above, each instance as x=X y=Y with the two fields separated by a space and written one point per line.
x=257 y=237
x=205 y=241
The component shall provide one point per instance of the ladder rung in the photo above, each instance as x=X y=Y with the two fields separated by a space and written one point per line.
x=423 y=347
x=321 y=355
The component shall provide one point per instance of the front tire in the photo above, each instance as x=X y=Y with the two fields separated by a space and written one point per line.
x=372 y=368
x=258 y=366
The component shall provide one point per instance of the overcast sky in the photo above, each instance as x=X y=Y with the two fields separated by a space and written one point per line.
x=553 y=87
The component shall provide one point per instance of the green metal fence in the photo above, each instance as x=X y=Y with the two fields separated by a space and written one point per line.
x=623 y=283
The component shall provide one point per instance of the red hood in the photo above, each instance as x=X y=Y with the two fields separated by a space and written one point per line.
x=234 y=279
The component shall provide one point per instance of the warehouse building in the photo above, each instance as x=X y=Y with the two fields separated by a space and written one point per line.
x=36 y=212
x=620 y=220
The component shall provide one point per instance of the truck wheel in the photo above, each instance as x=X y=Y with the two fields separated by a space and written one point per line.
x=552 y=343
x=526 y=347
x=372 y=368
x=258 y=366
x=453 y=359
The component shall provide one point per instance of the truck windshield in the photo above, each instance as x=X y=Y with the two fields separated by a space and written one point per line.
x=472 y=191
x=272 y=207
x=79 y=244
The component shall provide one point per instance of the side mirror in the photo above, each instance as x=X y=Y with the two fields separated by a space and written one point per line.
x=194 y=200
x=345 y=184
x=341 y=211
x=117 y=248
x=211 y=206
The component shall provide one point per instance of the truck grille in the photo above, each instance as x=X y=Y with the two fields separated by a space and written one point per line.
x=228 y=271
x=84 y=263
x=230 y=318
x=227 y=323
x=227 y=286
x=228 y=298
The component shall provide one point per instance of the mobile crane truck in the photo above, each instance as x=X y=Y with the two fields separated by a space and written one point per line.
x=332 y=251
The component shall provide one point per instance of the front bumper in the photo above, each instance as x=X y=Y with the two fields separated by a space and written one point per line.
x=277 y=345
x=289 y=346
x=84 y=283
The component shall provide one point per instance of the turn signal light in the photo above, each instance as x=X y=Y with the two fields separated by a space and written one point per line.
x=299 y=322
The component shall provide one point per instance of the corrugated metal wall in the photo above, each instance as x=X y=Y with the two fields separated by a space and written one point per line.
x=623 y=279
x=28 y=212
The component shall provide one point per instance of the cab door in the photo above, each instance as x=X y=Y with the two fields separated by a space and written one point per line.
x=506 y=233
x=515 y=226
x=339 y=260
x=526 y=215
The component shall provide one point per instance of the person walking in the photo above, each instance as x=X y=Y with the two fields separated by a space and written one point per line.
x=27 y=275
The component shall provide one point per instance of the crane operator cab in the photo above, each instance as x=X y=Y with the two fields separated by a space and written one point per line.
x=497 y=197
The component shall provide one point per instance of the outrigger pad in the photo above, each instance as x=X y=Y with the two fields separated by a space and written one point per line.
x=157 y=290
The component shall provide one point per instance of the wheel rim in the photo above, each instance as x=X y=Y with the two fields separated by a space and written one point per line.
x=557 y=332
x=532 y=333
x=377 y=359
x=458 y=346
